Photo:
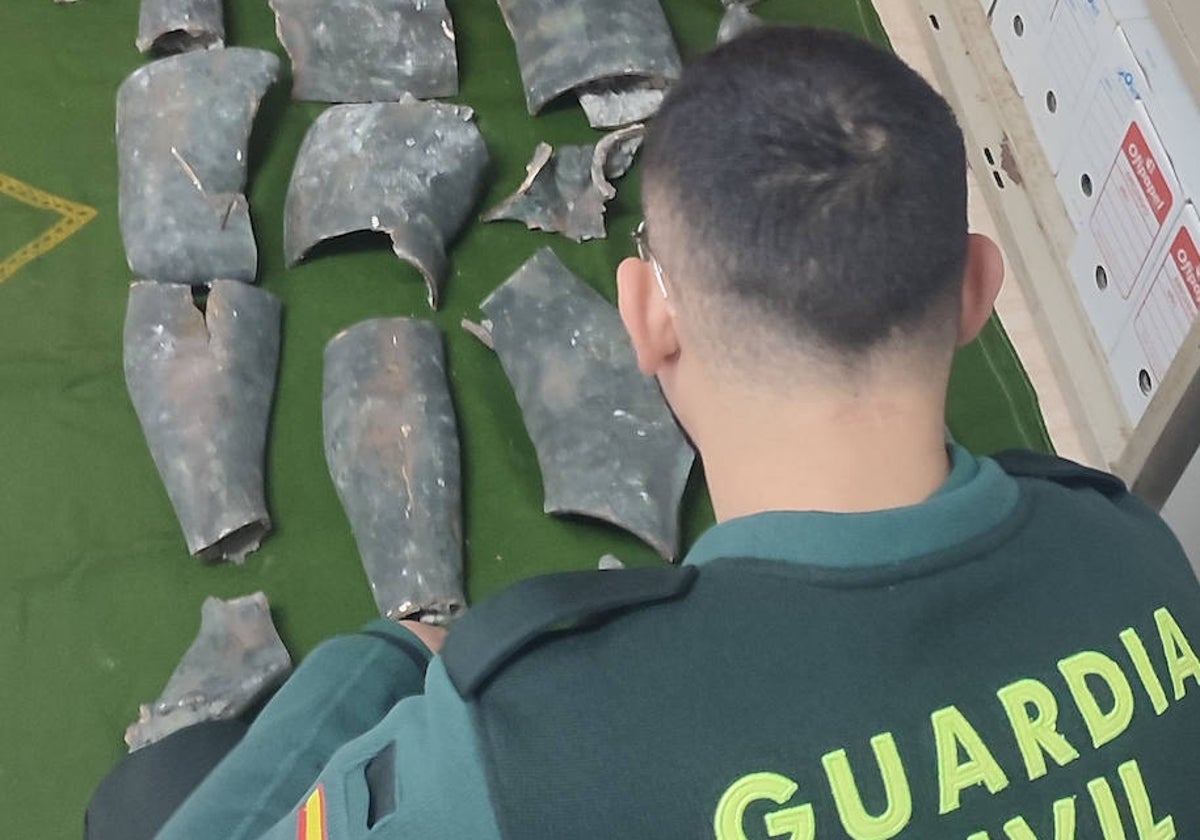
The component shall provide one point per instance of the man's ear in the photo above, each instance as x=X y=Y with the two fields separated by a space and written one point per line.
x=648 y=316
x=982 y=279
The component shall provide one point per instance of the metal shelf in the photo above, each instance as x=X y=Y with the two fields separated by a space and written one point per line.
x=1179 y=21
x=1018 y=186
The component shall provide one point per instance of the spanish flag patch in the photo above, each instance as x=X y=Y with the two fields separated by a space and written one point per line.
x=312 y=824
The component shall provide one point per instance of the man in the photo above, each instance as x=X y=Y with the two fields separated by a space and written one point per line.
x=883 y=636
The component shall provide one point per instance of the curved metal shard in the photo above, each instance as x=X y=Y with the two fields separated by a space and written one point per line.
x=606 y=442
x=368 y=50
x=618 y=102
x=610 y=563
x=411 y=169
x=738 y=19
x=201 y=383
x=183 y=124
x=566 y=191
x=236 y=658
x=174 y=26
x=563 y=45
x=391 y=442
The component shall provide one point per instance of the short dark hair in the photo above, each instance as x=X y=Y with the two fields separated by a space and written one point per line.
x=820 y=179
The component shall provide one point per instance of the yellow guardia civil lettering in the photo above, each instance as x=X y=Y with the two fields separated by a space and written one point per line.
x=952 y=732
x=1018 y=829
x=1064 y=823
x=1037 y=734
x=1181 y=659
x=1108 y=813
x=1145 y=671
x=1103 y=726
x=964 y=760
x=791 y=823
x=312 y=824
x=1139 y=803
x=858 y=823
x=1106 y=809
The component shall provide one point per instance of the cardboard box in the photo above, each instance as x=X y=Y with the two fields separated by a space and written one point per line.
x=1020 y=28
x=1138 y=202
x=1148 y=346
x=1173 y=108
x=1079 y=36
x=1114 y=91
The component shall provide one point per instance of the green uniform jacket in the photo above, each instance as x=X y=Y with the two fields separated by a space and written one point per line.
x=953 y=669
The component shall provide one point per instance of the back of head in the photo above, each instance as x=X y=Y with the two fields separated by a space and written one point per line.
x=813 y=187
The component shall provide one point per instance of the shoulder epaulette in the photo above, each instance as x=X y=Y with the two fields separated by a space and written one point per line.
x=1023 y=463
x=490 y=635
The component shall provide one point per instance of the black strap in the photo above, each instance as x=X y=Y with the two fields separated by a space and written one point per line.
x=141 y=793
x=1023 y=463
x=492 y=634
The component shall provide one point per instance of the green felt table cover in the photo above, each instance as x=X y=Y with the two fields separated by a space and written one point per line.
x=99 y=597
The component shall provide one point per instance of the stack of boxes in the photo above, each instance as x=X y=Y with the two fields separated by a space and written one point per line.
x=1121 y=131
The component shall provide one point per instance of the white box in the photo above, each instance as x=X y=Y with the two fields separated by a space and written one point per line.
x=1020 y=28
x=1173 y=110
x=1078 y=39
x=1165 y=315
x=1115 y=89
x=1138 y=202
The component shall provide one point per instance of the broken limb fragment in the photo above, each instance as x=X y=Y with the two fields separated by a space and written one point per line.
x=565 y=191
x=617 y=55
x=368 y=50
x=201 y=384
x=607 y=445
x=236 y=658
x=481 y=331
x=737 y=19
x=616 y=102
x=175 y=26
x=391 y=443
x=183 y=124
x=410 y=169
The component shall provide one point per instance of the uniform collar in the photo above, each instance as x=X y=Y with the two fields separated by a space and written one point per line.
x=976 y=497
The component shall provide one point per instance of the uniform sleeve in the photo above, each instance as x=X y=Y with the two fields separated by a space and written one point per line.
x=342 y=689
x=418 y=774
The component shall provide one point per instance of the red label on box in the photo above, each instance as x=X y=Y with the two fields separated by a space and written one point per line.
x=1187 y=260
x=1149 y=174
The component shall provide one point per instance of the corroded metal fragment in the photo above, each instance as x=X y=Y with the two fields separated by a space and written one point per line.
x=620 y=52
x=174 y=26
x=411 y=169
x=391 y=442
x=236 y=658
x=606 y=442
x=566 y=191
x=183 y=124
x=201 y=384
x=737 y=20
x=610 y=563
x=617 y=102
x=368 y=50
